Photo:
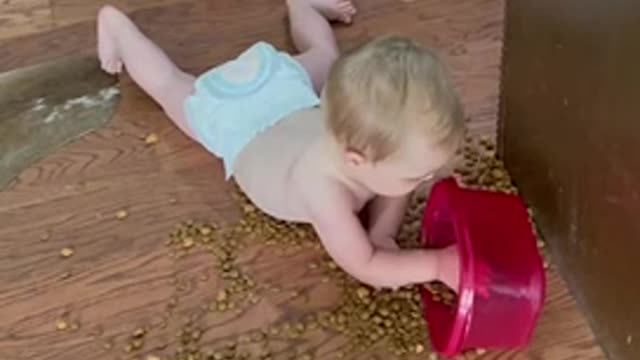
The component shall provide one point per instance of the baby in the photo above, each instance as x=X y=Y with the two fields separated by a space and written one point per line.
x=318 y=137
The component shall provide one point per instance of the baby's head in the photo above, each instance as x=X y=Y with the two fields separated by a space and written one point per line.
x=392 y=109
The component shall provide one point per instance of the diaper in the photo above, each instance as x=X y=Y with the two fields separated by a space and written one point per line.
x=234 y=102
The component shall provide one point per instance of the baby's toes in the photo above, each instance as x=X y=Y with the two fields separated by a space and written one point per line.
x=104 y=66
x=347 y=7
x=108 y=66
x=352 y=9
x=347 y=10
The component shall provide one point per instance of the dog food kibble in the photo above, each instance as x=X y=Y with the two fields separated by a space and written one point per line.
x=61 y=325
x=187 y=242
x=151 y=139
x=441 y=293
x=222 y=295
x=139 y=332
x=67 y=252
x=121 y=214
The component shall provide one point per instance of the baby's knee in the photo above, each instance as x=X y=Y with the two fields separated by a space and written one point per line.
x=109 y=14
x=107 y=11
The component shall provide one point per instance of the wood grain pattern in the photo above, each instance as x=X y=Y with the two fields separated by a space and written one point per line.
x=120 y=272
x=67 y=12
x=21 y=17
x=584 y=192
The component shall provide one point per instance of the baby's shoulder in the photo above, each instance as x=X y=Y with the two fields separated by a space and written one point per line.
x=324 y=192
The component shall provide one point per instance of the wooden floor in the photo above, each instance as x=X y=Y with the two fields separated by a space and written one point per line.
x=119 y=274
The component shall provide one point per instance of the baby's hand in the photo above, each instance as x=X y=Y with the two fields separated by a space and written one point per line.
x=449 y=267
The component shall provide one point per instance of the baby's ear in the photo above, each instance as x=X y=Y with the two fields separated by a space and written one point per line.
x=354 y=157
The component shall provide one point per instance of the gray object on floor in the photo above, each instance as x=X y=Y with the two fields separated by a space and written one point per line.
x=46 y=106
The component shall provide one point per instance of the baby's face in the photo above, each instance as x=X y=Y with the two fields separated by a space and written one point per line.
x=401 y=173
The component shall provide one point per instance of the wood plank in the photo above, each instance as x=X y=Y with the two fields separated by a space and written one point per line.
x=21 y=17
x=68 y=12
x=576 y=162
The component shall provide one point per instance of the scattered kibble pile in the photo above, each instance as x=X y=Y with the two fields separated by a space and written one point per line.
x=366 y=316
x=441 y=293
x=479 y=167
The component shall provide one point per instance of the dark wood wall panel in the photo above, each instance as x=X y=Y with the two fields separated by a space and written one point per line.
x=570 y=135
x=120 y=277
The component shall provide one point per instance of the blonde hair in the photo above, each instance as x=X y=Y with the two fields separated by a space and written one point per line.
x=379 y=92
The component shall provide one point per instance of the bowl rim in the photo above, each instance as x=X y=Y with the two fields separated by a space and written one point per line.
x=444 y=194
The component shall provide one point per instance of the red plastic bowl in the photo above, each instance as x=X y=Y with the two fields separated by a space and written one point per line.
x=502 y=278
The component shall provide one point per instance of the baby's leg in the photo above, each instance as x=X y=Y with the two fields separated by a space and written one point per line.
x=313 y=36
x=120 y=43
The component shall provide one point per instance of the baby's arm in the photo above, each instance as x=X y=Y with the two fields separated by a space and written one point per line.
x=348 y=244
x=384 y=217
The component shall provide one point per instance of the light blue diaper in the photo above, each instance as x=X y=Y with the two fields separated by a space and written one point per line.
x=235 y=101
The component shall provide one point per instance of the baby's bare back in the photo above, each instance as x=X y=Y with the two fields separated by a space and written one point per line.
x=269 y=170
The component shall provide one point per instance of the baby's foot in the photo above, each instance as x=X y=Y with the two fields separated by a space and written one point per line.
x=339 y=10
x=107 y=46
